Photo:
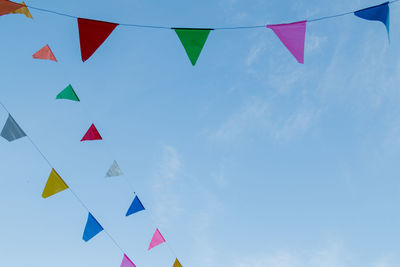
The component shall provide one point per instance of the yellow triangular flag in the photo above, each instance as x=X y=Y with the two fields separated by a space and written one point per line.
x=177 y=264
x=54 y=185
x=23 y=10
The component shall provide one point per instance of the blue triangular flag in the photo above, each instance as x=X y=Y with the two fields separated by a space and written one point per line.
x=136 y=206
x=92 y=228
x=379 y=13
x=11 y=130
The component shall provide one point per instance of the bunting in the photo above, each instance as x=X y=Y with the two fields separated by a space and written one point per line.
x=177 y=263
x=7 y=7
x=114 y=170
x=377 y=13
x=126 y=262
x=193 y=41
x=92 y=228
x=45 y=53
x=136 y=206
x=292 y=35
x=91 y=134
x=23 y=10
x=68 y=93
x=156 y=240
x=11 y=130
x=92 y=34
x=54 y=185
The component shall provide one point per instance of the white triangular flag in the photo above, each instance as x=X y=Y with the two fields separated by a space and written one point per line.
x=114 y=170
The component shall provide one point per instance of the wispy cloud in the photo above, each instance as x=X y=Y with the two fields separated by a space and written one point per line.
x=168 y=202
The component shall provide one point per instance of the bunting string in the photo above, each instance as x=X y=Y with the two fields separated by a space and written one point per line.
x=68 y=187
x=214 y=28
x=127 y=181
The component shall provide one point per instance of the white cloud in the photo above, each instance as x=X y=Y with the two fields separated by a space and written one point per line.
x=167 y=201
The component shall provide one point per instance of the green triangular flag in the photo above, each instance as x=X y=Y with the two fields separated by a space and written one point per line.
x=193 y=41
x=68 y=93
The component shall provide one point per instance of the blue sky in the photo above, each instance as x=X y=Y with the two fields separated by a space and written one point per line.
x=247 y=159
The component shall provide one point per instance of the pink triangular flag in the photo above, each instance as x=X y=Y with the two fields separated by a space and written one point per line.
x=92 y=134
x=156 y=240
x=45 y=53
x=126 y=262
x=293 y=36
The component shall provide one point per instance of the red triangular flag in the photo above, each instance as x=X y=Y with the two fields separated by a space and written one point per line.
x=6 y=7
x=45 y=53
x=92 y=33
x=91 y=134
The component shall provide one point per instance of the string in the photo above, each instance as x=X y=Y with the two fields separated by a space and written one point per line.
x=127 y=181
x=213 y=28
x=70 y=189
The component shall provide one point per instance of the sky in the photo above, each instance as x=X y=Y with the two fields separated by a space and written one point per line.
x=246 y=159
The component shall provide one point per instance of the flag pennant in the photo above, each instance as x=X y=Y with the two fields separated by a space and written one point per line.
x=156 y=240
x=7 y=7
x=114 y=170
x=92 y=228
x=292 y=35
x=177 y=263
x=92 y=34
x=126 y=262
x=11 y=130
x=23 y=10
x=91 y=134
x=193 y=41
x=45 y=53
x=136 y=206
x=54 y=185
x=378 y=13
x=68 y=93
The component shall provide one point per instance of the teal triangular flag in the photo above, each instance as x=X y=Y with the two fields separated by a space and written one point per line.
x=92 y=228
x=11 y=130
x=193 y=41
x=68 y=93
x=136 y=206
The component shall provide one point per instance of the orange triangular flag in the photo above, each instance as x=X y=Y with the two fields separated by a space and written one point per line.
x=23 y=10
x=45 y=53
x=6 y=7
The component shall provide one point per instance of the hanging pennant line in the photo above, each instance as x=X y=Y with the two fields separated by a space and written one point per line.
x=70 y=189
x=211 y=28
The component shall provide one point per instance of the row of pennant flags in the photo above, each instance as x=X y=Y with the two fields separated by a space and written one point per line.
x=11 y=131
x=93 y=33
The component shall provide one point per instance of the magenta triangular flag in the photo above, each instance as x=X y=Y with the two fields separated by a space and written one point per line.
x=156 y=240
x=293 y=36
x=126 y=262
x=91 y=134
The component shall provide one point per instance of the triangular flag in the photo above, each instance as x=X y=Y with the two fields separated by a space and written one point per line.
x=6 y=7
x=54 y=185
x=292 y=35
x=91 y=134
x=11 y=130
x=156 y=240
x=193 y=41
x=92 y=33
x=177 y=263
x=379 y=13
x=136 y=206
x=92 y=228
x=23 y=10
x=68 y=93
x=126 y=262
x=45 y=53
x=114 y=170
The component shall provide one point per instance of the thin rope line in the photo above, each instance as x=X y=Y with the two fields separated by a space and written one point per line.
x=70 y=189
x=213 y=28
